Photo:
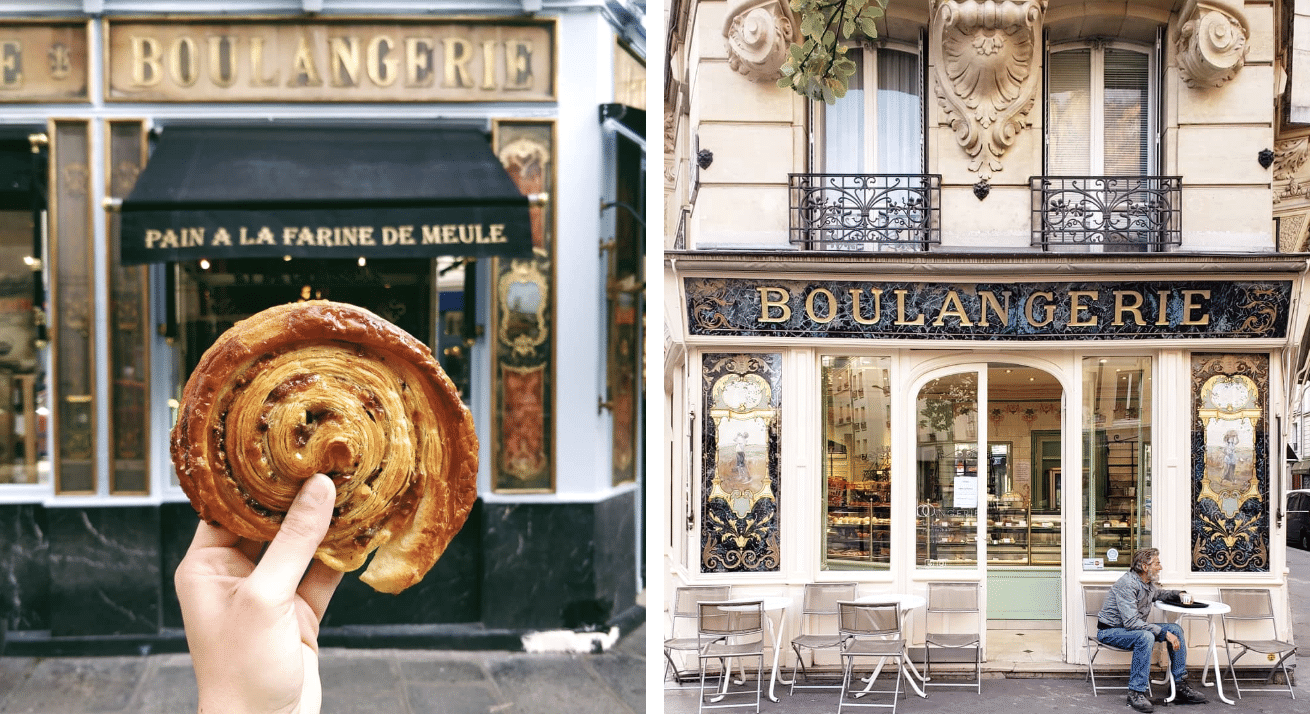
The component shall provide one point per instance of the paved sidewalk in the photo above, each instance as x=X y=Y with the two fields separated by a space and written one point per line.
x=1011 y=696
x=354 y=681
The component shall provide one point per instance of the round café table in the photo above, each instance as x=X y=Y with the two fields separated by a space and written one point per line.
x=1209 y=612
x=771 y=604
x=907 y=605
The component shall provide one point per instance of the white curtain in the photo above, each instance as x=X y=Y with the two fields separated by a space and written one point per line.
x=843 y=126
x=900 y=141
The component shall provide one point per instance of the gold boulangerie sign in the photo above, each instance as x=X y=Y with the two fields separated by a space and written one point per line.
x=331 y=61
x=44 y=62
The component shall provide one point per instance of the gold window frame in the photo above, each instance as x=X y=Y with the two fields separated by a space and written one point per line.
x=115 y=272
x=57 y=288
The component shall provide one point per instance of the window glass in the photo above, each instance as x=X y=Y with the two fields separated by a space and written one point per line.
x=843 y=125
x=24 y=412
x=1116 y=458
x=1098 y=112
x=893 y=142
x=856 y=463
x=948 y=486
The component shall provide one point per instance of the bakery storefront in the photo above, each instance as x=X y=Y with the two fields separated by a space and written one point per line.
x=1014 y=421
x=167 y=177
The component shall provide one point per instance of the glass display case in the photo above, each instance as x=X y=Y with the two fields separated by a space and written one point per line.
x=859 y=520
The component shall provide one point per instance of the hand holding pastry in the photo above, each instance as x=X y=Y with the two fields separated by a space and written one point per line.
x=253 y=628
x=325 y=387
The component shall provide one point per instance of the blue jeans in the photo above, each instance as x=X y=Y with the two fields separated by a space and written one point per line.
x=1141 y=642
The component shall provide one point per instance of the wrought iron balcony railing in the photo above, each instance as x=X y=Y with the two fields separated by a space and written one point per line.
x=1107 y=213
x=865 y=211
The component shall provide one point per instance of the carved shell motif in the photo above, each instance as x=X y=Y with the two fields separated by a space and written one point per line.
x=987 y=79
x=1211 y=42
x=757 y=34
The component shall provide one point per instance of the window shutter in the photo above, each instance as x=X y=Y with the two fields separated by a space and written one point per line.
x=1069 y=113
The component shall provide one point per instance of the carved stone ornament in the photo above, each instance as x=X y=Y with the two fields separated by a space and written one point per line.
x=757 y=34
x=987 y=79
x=1289 y=155
x=1211 y=42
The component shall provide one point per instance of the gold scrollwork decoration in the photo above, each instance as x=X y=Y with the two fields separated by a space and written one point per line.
x=706 y=299
x=1263 y=313
x=524 y=298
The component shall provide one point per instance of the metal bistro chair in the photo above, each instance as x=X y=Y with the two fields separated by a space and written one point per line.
x=730 y=630
x=1255 y=606
x=820 y=603
x=870 y=630
x=1093 y=600
x=684 y=610
x=946 y=600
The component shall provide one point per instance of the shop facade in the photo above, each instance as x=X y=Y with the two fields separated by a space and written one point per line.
x=172 y=171
x=1005 y=357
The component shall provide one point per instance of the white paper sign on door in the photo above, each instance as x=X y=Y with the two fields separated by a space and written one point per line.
x=966 y=492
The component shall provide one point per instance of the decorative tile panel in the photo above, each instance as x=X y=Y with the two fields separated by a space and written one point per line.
x=741 y=462
x=1230 y=463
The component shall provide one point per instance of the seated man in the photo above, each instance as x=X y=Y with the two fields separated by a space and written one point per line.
x=1122 y=623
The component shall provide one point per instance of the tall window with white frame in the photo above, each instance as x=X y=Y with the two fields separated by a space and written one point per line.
x=878 y=127
x=1101 y=147
x=870 y=154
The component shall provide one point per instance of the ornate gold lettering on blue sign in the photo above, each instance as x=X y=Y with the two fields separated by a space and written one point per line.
x=750 y=307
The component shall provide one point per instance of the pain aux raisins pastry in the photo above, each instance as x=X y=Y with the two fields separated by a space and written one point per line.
x=325 y=387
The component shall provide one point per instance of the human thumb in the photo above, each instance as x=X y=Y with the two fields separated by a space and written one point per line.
x=303 y=528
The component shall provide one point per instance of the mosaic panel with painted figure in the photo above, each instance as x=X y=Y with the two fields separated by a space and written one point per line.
x=741 y=462
x=1230 y=463
x=523 y=315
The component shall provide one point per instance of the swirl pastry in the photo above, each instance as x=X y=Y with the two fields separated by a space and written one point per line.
x=324 y=387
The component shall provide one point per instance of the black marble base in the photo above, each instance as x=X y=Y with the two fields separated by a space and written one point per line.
x=100 y=580
x=104 y=570
x=24 y=567
x=567 y=565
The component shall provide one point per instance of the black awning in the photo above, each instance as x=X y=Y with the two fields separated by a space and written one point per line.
x=322 y=192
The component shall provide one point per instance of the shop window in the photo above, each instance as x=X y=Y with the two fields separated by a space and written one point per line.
x=946 y=527
x=1116 y=458
x=24 y=411
x=856 y=463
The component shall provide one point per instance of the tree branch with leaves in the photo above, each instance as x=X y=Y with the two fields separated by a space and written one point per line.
x=819 y=68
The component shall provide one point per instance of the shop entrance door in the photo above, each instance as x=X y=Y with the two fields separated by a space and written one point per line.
x=1024 y=518
x=216 y=295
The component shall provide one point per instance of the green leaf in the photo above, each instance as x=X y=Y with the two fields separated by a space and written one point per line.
x=868 y=26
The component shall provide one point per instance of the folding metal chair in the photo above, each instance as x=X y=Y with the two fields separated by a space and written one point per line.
x=684 y=610
x=870 y=630
x=820 y=603
x=947 y=600
x=1093 y=600
x=1252 y=609
x=721 y=629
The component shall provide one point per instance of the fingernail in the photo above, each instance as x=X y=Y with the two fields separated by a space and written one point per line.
x=316 y=490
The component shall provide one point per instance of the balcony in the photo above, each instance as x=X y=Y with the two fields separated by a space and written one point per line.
x=865 y=212
x=1128 y=214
